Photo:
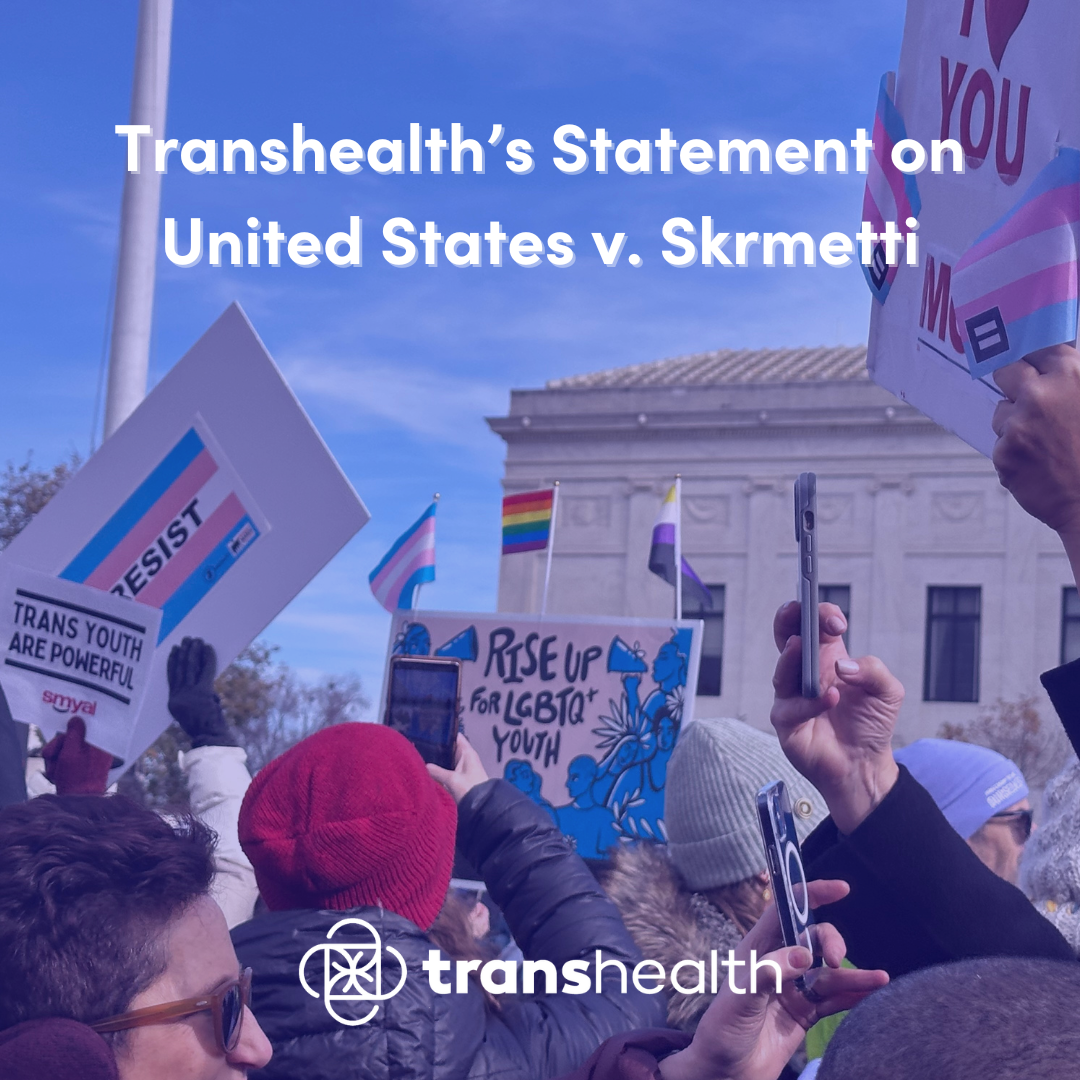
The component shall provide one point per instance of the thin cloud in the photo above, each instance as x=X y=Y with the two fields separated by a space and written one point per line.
x=428 y=404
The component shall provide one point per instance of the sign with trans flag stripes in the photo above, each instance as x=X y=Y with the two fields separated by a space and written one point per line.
x=215 y=502
x=996 y=86
x=890 y=195
x=1015 y=287
x=177 y=534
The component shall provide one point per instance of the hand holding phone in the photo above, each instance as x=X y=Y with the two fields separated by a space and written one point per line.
x=806 y=538
x=786 y=873
x=422 y=703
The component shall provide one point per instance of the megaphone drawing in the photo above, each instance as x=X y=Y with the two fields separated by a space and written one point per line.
x=625 y=658
x=465 y=646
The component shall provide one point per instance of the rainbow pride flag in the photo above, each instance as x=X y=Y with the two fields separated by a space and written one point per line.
x=178 y=533
x=409 y=564
x=1015 y=288
x=526 y=521
x=890 y=195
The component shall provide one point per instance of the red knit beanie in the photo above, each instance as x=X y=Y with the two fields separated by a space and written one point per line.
x=350 y=817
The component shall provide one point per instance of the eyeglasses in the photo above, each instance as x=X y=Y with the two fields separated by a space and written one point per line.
x=227 y=1005
x=1023 y=818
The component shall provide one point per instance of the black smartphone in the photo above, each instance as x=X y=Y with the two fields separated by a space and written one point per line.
x=786 y=873
x=422 y=703
x=806 y=538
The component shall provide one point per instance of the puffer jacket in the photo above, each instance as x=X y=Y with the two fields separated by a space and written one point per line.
x=556 y=912
x=669 y=922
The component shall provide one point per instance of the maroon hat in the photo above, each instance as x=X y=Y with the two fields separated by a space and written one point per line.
x=350 y=817
x=55 y=1048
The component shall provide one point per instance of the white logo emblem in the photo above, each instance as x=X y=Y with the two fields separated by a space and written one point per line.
x=358 y=978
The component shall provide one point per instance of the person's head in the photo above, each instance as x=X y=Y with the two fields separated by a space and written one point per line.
x=669 y=666
x=982 y=794
x=413 y=640
x=104 y=909
x=666 y=731
x=349 y=817
x=995 y=1018
x=580 y=775
x=710 y=813
x=524 y=777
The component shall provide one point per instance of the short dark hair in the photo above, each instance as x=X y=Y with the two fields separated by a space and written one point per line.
x=994 y=1018
x=87 y=886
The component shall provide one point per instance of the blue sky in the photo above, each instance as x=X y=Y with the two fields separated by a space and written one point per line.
x=398 y=367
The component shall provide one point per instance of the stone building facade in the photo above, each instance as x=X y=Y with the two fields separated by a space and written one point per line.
x=945 y=578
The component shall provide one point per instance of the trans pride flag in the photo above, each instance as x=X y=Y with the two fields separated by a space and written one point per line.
x=1015 y=288
x=184 y=527
x=407 y=565
x=890 y=195
x=662 y=552
x=526 y=521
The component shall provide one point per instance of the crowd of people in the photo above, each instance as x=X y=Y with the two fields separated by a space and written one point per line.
x=141 y=946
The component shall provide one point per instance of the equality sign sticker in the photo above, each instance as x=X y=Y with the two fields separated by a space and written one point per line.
x=178 y=533
x=580 y=714
x=72 y=650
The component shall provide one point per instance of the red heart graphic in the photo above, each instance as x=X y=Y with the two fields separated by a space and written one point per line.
x=1002 y=19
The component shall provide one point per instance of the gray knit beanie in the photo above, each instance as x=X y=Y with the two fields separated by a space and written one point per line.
x=710 y=811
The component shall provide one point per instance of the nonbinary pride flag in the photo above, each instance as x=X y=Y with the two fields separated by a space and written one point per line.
x=662 y=553
x=890 y=195
x=407 y=565
x=1016 y=287
x=526 y=521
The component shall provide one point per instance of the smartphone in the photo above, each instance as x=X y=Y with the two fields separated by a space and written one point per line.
x=806 y=538
x=422 y=703
x=786 y=873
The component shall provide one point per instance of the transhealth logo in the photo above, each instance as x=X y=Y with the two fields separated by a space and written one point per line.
x=353 y=974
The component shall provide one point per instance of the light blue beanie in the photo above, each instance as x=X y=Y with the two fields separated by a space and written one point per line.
x=969 y=783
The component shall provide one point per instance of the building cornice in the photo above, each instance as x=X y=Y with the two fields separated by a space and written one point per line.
x=758 y=423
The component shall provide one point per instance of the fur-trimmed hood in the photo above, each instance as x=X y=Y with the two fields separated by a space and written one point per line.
x=668 y=922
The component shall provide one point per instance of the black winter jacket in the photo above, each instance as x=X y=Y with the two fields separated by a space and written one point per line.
x=554 y=909
x=1063 y=686
x=919 y=895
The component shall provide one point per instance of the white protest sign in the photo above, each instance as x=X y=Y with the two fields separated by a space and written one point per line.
x=72 y=650
x=1003 y=78
x=215 y=502
x=580 y=714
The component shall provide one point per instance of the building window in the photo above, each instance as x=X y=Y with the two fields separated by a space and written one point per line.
x=1070 y=624
x=953 y=616
x=712 y=640
x=840 y=595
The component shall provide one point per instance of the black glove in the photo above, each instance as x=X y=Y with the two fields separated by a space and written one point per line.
x=192 y=701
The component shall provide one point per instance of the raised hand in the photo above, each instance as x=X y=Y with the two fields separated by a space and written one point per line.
x=1037 y=454
x=748 y=1035
x=468 y=770
x=194 y=705
x=840 y=741
x=75 y=766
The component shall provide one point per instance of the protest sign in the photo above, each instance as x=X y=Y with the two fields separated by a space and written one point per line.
x=72 y=650
x=215 y=502
x=1002 y=79
x=580 y=714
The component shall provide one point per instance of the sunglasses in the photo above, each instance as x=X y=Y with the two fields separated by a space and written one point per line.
x=1023 y=818
x=226 y=1004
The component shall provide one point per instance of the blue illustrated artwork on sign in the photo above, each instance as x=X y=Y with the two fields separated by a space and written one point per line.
x=615 y=793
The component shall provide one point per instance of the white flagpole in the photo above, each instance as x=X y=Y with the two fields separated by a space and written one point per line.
x=678 y=546
x=416 y=591
x=133 y=310
x=550 y=548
